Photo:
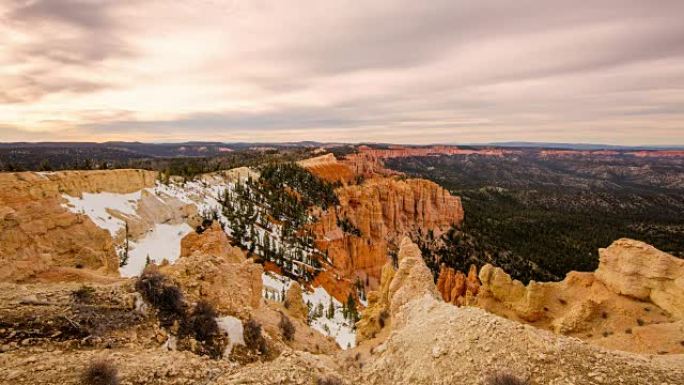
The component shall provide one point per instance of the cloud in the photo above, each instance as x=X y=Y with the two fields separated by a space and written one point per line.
x=387 y=70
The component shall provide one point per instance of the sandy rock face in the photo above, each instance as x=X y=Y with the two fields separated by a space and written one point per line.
x=526 y=301
x=411 y=280
x=233 y=288
x=37 y=233
x=638 y=270
x=210 y=268
x=214 y=242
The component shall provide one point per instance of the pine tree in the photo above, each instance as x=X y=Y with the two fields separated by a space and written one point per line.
x=123 y=256
x=331 y=309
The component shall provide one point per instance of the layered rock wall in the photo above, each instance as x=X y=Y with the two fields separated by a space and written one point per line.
x=329 y=168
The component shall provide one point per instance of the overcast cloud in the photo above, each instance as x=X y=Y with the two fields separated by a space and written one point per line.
x=450 y=71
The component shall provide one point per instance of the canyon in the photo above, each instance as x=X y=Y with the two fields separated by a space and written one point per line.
x=66 y=301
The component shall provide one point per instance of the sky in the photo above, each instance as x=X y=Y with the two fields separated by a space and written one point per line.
x=438 y=71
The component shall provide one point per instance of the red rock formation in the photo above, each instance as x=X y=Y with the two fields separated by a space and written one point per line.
x=383 y=210
x=457 y=288
x=327 y=167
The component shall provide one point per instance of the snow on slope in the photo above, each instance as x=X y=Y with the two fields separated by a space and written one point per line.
x=337 y=327
x=95 y=206
x=162 y=242
x=232 y=326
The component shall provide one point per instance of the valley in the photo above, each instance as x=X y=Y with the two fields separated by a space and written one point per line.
x=556 y=208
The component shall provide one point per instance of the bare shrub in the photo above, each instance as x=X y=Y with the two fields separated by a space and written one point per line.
x=162 y=294
x=254 y=340
x=502 y=378
x=202 y=321
x=286 y=328
x=202 y=326
x=84 y=294
x=100 y=372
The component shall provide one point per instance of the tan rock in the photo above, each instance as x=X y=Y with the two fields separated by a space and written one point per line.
x=294 y=302
x=526 y=302
x=639 y=270
x=212 y=242
x=618 y=306
x=233 y=288
x=410 y=281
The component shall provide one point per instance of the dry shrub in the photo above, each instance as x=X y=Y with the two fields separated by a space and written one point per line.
x=286 y=328
x=100 y=372
x=502 y=378
x=84 y=294
x=202 y=321
x=254 y=340
x=162 y=294
x=201 y=325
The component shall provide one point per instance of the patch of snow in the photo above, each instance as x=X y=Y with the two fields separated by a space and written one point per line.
x=95 y=207
x=170 y=343
x=162 y=242
x=337 y=327
x=233 y=327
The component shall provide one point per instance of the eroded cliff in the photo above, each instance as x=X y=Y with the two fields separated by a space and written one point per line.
x=374 y=216
x=38 y=233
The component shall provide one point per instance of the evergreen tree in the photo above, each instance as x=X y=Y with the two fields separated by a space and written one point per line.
x=331 y=309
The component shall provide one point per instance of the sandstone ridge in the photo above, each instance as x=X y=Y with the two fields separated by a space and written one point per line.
x=632 y=302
